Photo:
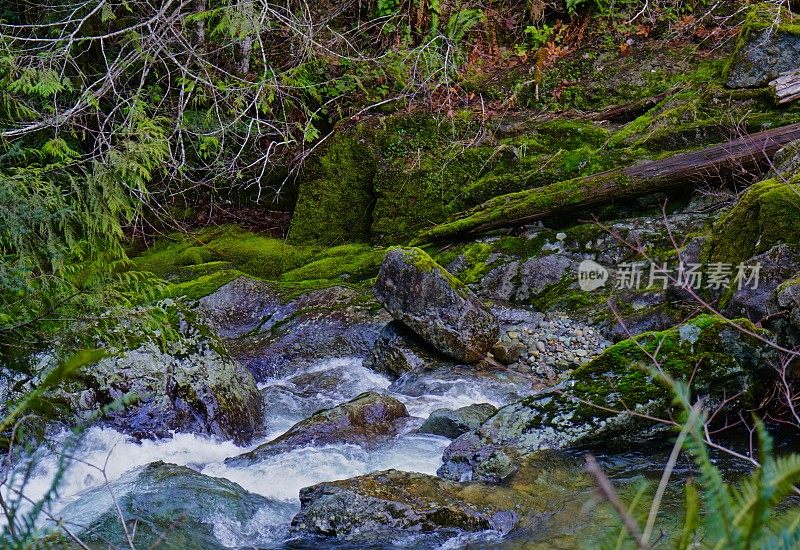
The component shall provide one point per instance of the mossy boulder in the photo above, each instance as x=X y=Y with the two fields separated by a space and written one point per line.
x=547 y=504
x=188 y=387
x=605 y=398
x=767 y=214
x=402 y=501
x=335 y=200
x=167 y=506
x=367 y=419
x=436 y=306
x=769 y=44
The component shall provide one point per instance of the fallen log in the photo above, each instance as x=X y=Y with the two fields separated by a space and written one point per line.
x=711 y=164
x=632 y=109
x=786 y=87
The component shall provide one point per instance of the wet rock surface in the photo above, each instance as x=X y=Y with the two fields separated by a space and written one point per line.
x=367 y=420
x=721 y=360
x=452 y=423
x=398 y=351
x=282 y=334
x=435 y=305
x=192 y=388
x=394 y=500
x=167 y=506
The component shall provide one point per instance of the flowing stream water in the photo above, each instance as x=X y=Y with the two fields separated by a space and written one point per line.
x=104 y=454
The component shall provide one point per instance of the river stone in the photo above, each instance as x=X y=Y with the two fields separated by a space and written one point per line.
x=452 y=423
x=435 y=305
x=393 y=500
x=331 y=322
x=367 y=420
x=508 y=352
x=242 y=306
x=183 y=506
x=722 y=361
x=778 y=264
x=193 y=389
x=537 y=274
x=398 y=351
x=767 y=54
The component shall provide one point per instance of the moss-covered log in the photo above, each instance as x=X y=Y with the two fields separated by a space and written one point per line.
x=581 y=194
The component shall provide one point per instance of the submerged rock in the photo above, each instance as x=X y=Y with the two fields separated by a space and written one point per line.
x=398 y=351
x=368 y=419
x=393 y=500
x=435 y=305
x=452 y=423
x=721 y=360
x=184 y=507
x=194 y=389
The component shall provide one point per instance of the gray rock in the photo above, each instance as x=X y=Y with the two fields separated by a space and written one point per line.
x=400 y=501
x=721 y=360
x=767 y=54
x=786 y=162
x=435 y=305
x=331 y=322
x=242 y=306
x=537 y=274
x=398 y=351
x=500 y=283
x=164 y=500
x=368 y=419
x=191 y=389
x=452 y=423
x=509 y=352
x=778 y=264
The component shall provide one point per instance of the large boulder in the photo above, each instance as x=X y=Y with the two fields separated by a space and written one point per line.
x=609 y=397
x=398 y=351
x=393 y=500
x=172 y=507
x=547 y=504
x=435 y=305
x=274 y=335
x=369 y=419
x=768 y=46
x=190 y=387
x=452 y=423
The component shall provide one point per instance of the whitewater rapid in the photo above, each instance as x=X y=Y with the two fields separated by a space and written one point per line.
x=104 y=454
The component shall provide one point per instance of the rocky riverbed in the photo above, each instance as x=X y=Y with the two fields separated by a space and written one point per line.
x=442 y=395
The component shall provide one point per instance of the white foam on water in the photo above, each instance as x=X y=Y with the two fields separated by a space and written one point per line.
x=281 y=477
x=116 y=453
x=289 y=399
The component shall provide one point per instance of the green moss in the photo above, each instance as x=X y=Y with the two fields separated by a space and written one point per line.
x=423 y=262
x=335 y=200
x=767 y=214
x=708 y=350
x=524 y=205
x=351 y=262
x=199 y=287
x=236 y=252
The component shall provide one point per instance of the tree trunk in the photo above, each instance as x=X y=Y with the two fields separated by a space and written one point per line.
x=712 y=164
x=787 y=87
